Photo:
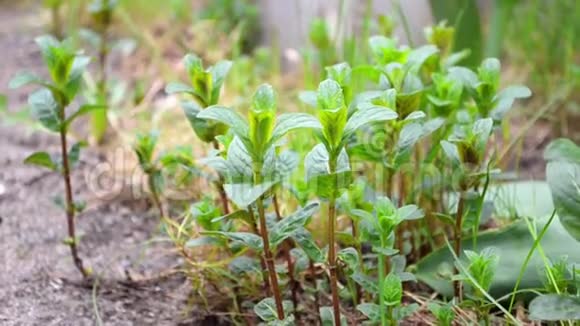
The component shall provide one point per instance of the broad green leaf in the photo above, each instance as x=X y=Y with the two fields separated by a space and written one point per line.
x=366 y=282
x=451 y=152
x=309 y=98
x=318 y=173
x=249 y=239
x=410 y=212
x=206 y=130
x=564 y=181
x=266 y=309
x=286 y=227
x=368 y=115
x=218 y=75
x=74 y=153
x=245 y=194
x=244 y=265
x=415 y=115
x=304 y=239
x=85 y=109
x=419 y=55
x=290 y=121
x=45 y=109
x=42 y=159
x=239 y=162
x=26 y=78
x=555 y=307
x=350 y=257
x=330 y=96
x=513 y=241
x=392 y=290
x=489 y=71
x=370 y=310
x=176 y=87
x=228 y=117
x=562 y=150
x=410 y=134
x=513 y=92
x=327 y=317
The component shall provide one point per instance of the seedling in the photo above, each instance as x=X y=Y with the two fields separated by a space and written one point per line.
x=253 y=166
x=379 y=230
x=49 y=105
x=327 y=165
x=205 y=87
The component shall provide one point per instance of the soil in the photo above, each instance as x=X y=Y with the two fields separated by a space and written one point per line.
x=136 y=279
x=38 y=283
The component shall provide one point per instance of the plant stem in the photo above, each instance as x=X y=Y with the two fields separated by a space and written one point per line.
x=70 y=207
x=331 y=245
x=267 y=253
x=286 y=247
x=358 y=291
x=220 y=185
x=262 y=261
x=155 y=195
x=314 y=285
x=457 y=285
x=391 y=313
x=381 y=285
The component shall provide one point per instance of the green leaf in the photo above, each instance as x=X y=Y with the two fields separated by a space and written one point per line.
x=330 y=96
x=290 y=121
x=410 y=212
x=286 y=227
x=555 y=307
x=513 y=241
x=239 y=163
x=45 y=109
x=309 y=98
x=350 y=257
x=206 y=130
x=392 y=290
x=26 y=78
x=249 y=239
x=513 y=92
x=366 y=282
x=304 y=239
x=245 y=194
x=451 y=152
x=74 y=153
x=176 y=87
x=218 y=75
x=418 y=56
x=562 y=150
x=327 y=317
x=228 y=117
x=368 y=115
x=85 y=109
x=564 y=180
x=370 y=310
x=42 y=159
x=266 y=309
x=318 y=173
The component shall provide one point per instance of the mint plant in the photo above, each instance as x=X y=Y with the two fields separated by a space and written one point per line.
x=49 y=105
x=379 y=230
x=204 y=87
x=327 y=165
x=256 y=140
